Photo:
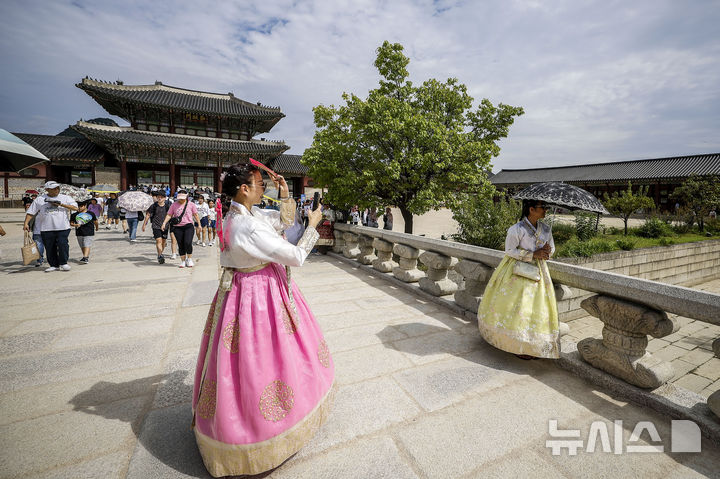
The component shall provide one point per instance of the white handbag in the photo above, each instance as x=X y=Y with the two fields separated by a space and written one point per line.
x=527 y=270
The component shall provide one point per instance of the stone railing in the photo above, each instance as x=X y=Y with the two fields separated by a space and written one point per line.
x=630 y=308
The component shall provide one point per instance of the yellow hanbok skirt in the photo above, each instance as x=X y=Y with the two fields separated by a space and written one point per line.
x=519 y=315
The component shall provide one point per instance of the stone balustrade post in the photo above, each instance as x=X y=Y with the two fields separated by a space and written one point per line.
x=622 y=350
x=476 y=276
x=406 y=270
x=713 y=401
x=367 y=250
x=351 y=249
x=436 y=282
x=339 y=244
x=384 y=251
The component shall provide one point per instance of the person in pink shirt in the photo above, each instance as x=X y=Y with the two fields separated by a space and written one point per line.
x=181 y=214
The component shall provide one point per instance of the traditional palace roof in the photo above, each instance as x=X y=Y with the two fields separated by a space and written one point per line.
x=110 y=135
x=114 y=97
x=63 y=148
x=284 y=164
x=651 y=169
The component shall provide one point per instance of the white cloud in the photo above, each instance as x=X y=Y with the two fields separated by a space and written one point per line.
x=598 y=80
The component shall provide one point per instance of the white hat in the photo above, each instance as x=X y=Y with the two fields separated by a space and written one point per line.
x=51 y=184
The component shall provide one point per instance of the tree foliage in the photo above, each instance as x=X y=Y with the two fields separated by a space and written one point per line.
x=700 y=195
x=414 y=147
x=627 y=202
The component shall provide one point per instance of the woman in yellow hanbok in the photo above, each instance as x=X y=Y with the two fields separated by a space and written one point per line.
x=517 y=313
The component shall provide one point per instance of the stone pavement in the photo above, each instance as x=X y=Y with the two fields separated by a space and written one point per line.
x=96 y=375
x=689 y=349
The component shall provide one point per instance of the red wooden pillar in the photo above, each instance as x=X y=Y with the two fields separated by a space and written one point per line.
x=173 y=180
x=123 y=175
x=7 y=185
x=218 y=183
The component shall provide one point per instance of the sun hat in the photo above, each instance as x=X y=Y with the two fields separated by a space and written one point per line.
x=51 y=184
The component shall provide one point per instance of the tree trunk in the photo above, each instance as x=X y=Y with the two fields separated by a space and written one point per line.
x=408 y=218
x=625 y=220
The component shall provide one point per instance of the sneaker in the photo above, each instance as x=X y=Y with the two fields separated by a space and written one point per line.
x=133 y=241
x=182 y=264
x=107 y=227
x=189 y=263
x=203 y=245
x=210 y=243
x=161 y=259
x=51 y=268
x=65 y=267
x=85 y=260
x=174 y=256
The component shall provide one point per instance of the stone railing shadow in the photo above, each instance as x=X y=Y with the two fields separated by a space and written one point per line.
x=631 y=309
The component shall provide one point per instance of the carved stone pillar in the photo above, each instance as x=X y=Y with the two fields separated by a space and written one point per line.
x=339 y=244
x=407 y=269
x=713 y=401
x=351 y=249
x=476 y=277
x=621 y=352
x=367 y=250
x=436 y=282
x=384 y=262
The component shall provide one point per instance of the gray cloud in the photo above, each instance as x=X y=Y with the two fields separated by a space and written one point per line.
x=603 y=80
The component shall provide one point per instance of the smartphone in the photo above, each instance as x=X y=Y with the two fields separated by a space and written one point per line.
x=316 y=201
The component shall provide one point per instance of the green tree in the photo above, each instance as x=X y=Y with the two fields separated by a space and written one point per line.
x=627 y=202
x=414 y=147
x=700 y=194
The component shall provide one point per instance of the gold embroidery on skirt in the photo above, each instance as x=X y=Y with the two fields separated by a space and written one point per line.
x=208 y=323
x=276 y=401
x=287 y=320
x=231 y=336
x=207 y=400
x=324 y=354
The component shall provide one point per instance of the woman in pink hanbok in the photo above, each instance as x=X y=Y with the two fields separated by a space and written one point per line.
x=264 y=376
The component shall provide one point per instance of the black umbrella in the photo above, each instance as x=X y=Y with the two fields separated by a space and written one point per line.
x=16 y=155
x=562 y=194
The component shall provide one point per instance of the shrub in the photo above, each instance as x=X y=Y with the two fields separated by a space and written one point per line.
x=712 y=226
x=654 y=228
x=666 y=242
x=585 y=225
x=482 y=222
x=681 y=228
x=562 y=232
x=625 y=244
x=585 y=249
x=613 y=230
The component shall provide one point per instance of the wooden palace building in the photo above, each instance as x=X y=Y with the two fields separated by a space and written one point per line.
x=180 y=137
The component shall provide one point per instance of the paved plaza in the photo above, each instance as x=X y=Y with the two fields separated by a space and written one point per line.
x=96 y=369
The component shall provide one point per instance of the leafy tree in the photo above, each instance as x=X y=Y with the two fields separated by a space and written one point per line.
x=626 y=203
x=482 y=222
x=414 y=147
x=700 y=195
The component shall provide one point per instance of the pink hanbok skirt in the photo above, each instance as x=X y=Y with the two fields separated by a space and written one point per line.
x=264 y=387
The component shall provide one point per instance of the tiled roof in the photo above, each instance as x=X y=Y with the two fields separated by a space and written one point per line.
x=110 y=135
x=179 y=99
x=651 y=169
x=68 y=148
x=288 y=164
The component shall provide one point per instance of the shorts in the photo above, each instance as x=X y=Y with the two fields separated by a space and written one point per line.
x=204 y=221
x=122 y=217
x=85 y=241
x=158 y=233
x=194 y=224
x=212 y=224
x=113 y=215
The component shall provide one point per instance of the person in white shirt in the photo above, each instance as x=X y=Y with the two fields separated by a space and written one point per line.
x=212 y=219
x=52 y=210
x=203 y=213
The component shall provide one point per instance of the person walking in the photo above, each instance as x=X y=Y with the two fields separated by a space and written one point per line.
x=203 y=213
x=52 y=210
x=95 y=208
x=132 y=219
x=518 y=312
x=86 y=224
x=212 y=220
x=156 y=215
x=183 y=212
x=264 y=376
x=388 y=219
x=113 y=211
x=355 y=215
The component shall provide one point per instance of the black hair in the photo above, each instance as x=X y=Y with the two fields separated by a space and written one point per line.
x=235 y=176
x=526 y=205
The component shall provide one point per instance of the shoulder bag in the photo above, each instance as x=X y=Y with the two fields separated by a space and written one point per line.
x=176 y=219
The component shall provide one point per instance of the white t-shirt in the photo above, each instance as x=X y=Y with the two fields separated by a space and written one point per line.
x=203 y=210
x=212 y=214
x=49 y=216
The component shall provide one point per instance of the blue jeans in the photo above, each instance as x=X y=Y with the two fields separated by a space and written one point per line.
x=37 y=238
x=132 y=227
x=56 y=246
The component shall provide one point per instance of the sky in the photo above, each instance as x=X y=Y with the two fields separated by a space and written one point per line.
x=599 y=80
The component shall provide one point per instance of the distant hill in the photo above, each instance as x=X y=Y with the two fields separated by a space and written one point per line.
x=99 y=121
